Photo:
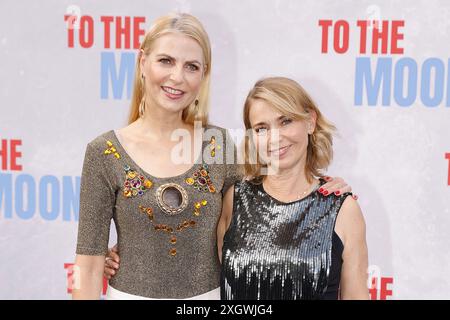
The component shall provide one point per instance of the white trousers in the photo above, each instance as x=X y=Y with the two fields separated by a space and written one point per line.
x=114 y=294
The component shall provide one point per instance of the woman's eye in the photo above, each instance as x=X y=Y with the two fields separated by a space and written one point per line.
x=164 y=61
x=260 y=131
x=192 y=67
x=286 y=121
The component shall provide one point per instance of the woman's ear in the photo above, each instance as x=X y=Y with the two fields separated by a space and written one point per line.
x=312 y=121
x=205 y=69
x=142 y=58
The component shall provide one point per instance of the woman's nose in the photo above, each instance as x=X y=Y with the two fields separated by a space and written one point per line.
x=177 y=74
x=274 y=137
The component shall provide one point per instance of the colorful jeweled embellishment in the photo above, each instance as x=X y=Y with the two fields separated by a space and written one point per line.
x=213 y=146
x=111 y=149
x=177 y=191
x=197 y=207
x=201 y=180
x=135 y=184
x=147 y=211
x=172 y=231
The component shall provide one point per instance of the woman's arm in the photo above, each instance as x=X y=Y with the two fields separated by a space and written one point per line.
x=351 y=228
x=88 y=277
x=225 y=218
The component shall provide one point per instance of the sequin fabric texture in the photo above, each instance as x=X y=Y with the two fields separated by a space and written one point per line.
x=276 y=250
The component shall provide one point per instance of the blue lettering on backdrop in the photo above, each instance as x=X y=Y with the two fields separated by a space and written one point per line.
x=118 y=77
x=55 y=196
x=402 y=82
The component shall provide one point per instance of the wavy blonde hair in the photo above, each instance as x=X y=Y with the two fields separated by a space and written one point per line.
x=190 y=26
x=290 y=99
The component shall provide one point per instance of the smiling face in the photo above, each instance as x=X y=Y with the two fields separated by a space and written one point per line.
x=280 y=140
x=173 y=72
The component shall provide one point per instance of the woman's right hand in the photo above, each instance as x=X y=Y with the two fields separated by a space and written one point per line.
x=111 y=263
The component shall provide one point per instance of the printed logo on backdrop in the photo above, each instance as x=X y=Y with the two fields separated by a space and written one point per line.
x=120 y=37
x=72 y=281
x=383 y=75
x=25 y=196
x=380 y=287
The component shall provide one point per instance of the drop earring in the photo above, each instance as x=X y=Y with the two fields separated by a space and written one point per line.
x=142 y=104
x=142 y=108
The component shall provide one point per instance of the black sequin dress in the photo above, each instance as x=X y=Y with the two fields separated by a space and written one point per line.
x=277 y=250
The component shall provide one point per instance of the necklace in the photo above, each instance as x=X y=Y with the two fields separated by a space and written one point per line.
x=307 y=190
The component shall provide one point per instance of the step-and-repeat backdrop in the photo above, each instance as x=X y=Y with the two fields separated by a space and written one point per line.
x=378 y=69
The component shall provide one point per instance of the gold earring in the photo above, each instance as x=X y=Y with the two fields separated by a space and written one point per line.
x=142 y=107
x=142 y=104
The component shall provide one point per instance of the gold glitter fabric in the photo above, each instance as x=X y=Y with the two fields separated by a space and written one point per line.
x=277 y=250
x=165 y=252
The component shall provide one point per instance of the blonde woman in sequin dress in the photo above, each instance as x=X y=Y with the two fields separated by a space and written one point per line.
x=279 y=237
x=165 y=211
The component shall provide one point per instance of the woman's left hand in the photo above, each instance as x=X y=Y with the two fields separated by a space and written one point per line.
x=335 y=185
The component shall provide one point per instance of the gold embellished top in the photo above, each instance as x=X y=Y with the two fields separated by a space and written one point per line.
x=166 y=227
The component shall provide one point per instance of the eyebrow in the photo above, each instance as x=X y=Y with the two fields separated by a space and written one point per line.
x=168 y=56
x=262 y=122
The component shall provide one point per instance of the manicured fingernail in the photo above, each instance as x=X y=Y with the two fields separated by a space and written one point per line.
x=337 y=193
x=321 y=190
x=328 y=178
x=325 y=193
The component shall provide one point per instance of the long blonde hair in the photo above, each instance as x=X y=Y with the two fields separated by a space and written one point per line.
x=289 y=98
x=190 y=26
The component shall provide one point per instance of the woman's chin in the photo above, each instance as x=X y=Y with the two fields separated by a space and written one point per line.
x=173 y=106
x=279 y=165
